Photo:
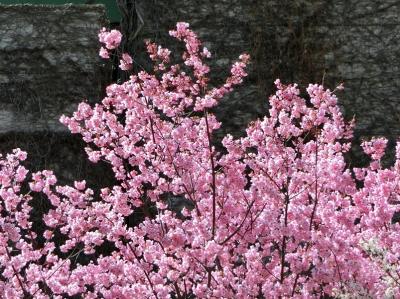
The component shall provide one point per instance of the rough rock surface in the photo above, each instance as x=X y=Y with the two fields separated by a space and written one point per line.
x=48 y=64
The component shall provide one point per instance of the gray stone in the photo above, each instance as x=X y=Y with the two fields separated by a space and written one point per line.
x=48 y=64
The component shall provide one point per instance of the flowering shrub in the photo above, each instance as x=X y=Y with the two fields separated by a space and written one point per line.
x=276 y=214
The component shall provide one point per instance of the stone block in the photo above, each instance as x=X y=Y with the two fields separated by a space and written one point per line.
x=48 y=64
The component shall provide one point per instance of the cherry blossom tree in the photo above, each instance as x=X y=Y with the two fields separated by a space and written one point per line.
x=275 y=214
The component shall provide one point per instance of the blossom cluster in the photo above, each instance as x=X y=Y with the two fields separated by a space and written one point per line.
x=275 y=214
x=110 y=39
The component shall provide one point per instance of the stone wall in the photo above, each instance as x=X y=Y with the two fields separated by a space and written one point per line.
x=48 y=64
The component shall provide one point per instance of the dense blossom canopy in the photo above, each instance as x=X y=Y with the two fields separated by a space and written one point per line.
x=275 y=214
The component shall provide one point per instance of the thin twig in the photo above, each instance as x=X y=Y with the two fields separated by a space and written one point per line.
x=213 y=176
x=316 y=184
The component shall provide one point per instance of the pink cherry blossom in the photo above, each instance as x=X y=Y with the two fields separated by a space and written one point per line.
x=104 y=53
x=126 y=62
x=277 y=213
x=111 y=39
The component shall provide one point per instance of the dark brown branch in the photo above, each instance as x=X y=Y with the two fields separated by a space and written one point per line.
x=214 y=203
x=240 y=226
x=26 y=294
x=316 y=184
x=145 y=272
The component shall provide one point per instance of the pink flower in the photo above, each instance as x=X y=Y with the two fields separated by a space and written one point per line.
x=104 y=53
x=111 y=39
x=277 y=213
x=125 y=62
x=375 y=148
x=80 y=185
